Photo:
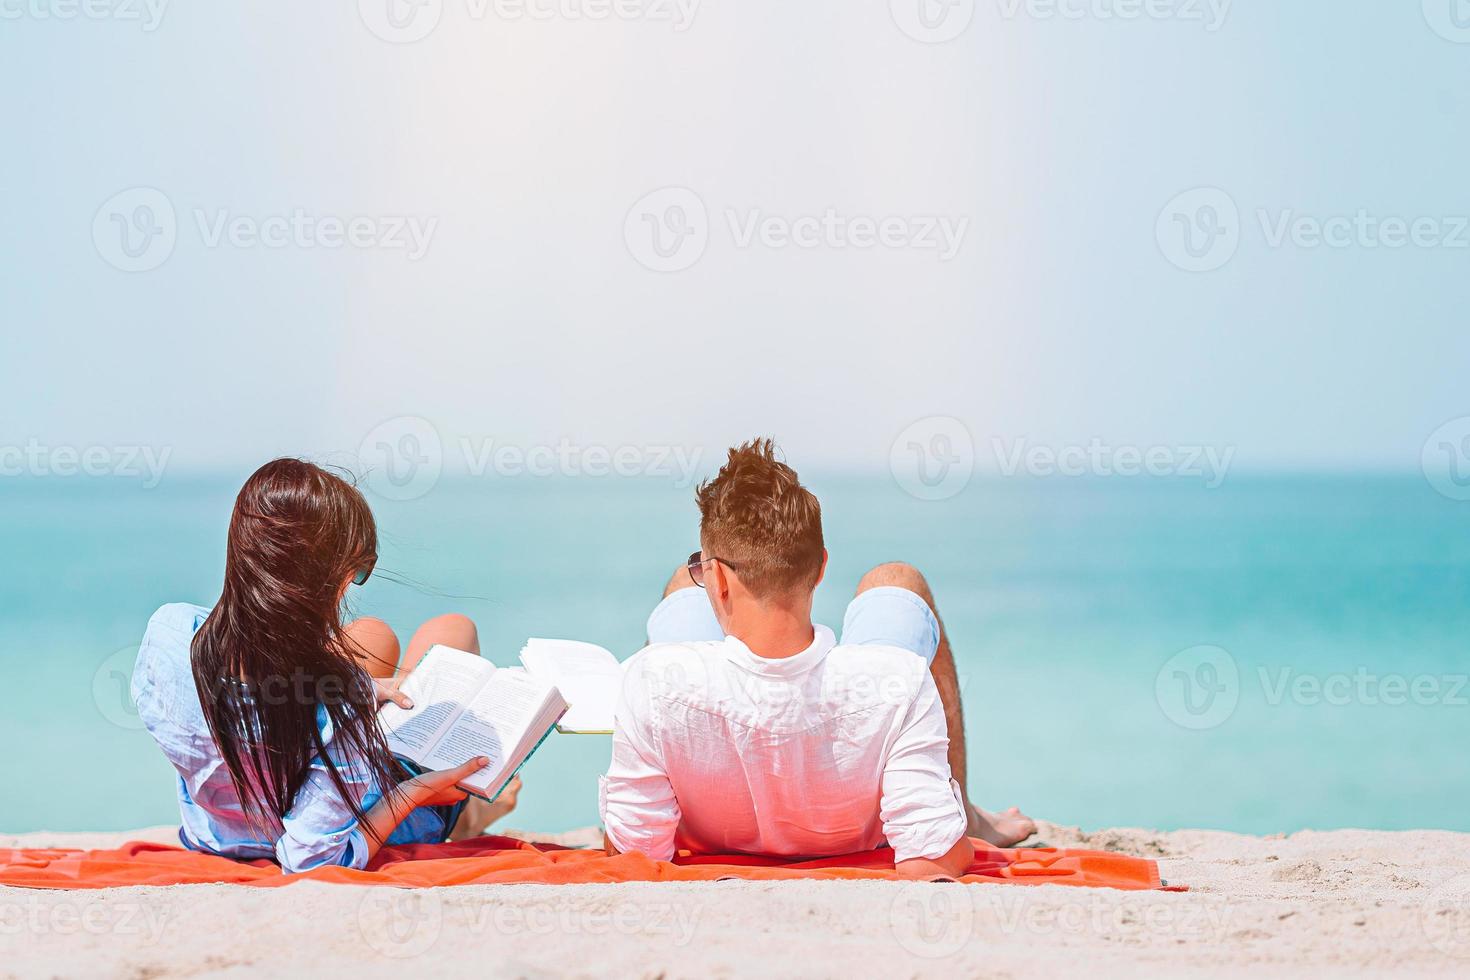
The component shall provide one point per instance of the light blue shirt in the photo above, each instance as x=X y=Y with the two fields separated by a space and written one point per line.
x=318 y=830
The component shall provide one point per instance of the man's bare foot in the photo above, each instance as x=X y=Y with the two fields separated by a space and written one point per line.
x=1000 y=829
x=480 y=814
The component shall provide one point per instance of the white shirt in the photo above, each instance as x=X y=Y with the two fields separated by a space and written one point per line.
x=831 y=751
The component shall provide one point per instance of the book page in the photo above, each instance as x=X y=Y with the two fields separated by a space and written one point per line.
x=442 y=684
x=492 y=724
x=588 y=677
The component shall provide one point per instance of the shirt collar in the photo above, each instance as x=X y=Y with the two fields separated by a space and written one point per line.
x=742 y=656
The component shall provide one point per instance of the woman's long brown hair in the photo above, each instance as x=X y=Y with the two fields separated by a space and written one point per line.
x=273 y=653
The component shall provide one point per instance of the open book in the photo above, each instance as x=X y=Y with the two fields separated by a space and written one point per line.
x=589 y=677
x=464 y=706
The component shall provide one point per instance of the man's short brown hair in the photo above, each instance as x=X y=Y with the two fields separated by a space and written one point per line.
x=757 y=516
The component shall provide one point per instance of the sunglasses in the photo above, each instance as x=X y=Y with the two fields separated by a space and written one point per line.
x=696 y=567
x=365 y=572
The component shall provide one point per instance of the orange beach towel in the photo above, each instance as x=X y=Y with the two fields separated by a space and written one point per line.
x=503 y=860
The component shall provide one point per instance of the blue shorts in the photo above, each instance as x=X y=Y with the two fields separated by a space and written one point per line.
x=885 y=616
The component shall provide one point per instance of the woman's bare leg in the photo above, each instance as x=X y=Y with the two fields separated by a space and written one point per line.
x=459 y=632
x=451 y=629
x=375 y=644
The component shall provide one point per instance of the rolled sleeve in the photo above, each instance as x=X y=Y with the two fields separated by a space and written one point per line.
x=635 y=798
x=921 y=808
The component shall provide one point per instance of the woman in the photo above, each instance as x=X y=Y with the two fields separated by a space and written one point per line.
x=267 y=704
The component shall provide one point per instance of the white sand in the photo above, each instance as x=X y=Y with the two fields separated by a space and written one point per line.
x=1354 y=902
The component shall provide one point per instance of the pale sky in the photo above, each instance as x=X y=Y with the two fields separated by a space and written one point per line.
x=1046 y=146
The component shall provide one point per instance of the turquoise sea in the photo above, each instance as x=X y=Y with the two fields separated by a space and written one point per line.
x=1340 y=603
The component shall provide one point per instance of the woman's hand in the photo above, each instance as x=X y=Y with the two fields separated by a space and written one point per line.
x=386 y=689
x=431 y=789
x=440 y=788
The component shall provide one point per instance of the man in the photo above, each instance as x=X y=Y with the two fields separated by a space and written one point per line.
x=744 y=728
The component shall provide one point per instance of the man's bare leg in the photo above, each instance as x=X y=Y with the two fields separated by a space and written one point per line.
x=999 y=829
